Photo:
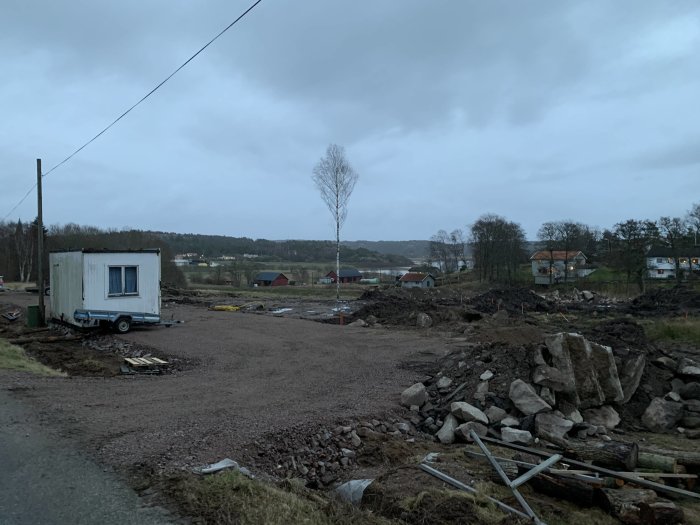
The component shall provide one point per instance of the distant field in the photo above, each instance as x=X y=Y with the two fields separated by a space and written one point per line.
x=347 y=292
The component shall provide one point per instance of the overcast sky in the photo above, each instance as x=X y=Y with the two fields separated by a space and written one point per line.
x=448 y=110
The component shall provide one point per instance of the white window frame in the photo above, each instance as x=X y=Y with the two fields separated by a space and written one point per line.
x=123 y=280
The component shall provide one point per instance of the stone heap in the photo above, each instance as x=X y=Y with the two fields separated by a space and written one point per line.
x=680 y=407
x=571 y=391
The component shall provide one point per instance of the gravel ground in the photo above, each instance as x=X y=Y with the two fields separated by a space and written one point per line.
x=45 y=481
x=256 y=375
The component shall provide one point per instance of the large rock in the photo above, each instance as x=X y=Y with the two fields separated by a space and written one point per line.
x=689 y=368
x=466 y=412
x=570 y=412
x=444 y=382
x=587 y=367
x=605 y=416
x=414 y=395
x=662 y=415
x=423 y=320
x=462 y=431
x=495 y=414
x=553 y=378
x=513 y=435
x=690 y=390
x=510 y=421
x=446 y=434
x=526 y=399
x=630 y=371
x=552 y=427
x=548 y=396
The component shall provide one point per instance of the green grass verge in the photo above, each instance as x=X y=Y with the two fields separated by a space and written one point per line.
x=231 y=498
x=15 y=358
x=683 y=330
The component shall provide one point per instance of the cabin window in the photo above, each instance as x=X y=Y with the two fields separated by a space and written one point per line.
x=123 y=280
x=659 y=260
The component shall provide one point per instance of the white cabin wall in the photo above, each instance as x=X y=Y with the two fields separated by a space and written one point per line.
x=66 y=282
x=96 y=277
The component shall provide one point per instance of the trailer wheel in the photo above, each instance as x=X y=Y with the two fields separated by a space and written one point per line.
x=122 y=325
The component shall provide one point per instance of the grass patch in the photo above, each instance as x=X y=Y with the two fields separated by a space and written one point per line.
x=15 y=358
x=684 y=330
x=231 y=498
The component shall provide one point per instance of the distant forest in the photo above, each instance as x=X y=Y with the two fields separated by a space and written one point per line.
x=18 y=258
x=213 y=246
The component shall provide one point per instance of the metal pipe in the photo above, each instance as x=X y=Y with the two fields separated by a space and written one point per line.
x=497 y=467
x=458 y=484
x=601 y=470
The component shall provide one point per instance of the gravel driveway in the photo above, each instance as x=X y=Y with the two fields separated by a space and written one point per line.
x=256 y=375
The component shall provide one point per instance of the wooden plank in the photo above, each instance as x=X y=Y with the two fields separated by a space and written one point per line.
x=159 y=361
x=131 y=361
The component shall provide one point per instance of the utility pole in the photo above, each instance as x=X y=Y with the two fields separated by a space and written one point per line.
x=40 y=246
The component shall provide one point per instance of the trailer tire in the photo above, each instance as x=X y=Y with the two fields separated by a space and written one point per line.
x=122 y=325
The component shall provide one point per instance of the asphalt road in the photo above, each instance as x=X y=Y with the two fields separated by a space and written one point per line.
x=44 y=480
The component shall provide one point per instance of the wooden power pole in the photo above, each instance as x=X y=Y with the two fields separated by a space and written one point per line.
x=40 y=246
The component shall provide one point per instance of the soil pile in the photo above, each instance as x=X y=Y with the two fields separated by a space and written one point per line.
x=666 y=300
x=512 y=300
x=399 y=306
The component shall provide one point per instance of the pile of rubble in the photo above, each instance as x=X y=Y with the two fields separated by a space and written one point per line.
x=512 y=300
x=568 y=387
x=680 y=407
x=321 y=455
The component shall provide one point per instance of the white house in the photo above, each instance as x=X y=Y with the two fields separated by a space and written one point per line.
x=553 y=266
x=417 y=280
x=118 y=287
x=661 y=264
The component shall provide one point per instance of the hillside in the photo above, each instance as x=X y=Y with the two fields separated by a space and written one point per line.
x=411 y=249
x=213 y=246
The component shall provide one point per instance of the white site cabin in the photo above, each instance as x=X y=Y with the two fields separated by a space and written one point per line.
x=115 y=287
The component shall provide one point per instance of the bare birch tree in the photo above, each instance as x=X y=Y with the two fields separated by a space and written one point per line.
x=335 y=180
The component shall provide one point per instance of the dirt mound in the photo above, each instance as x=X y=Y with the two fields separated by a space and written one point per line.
x=665 y=300
x=617 y=332
x=513 y=300
x=97 y=355
x=398 y=306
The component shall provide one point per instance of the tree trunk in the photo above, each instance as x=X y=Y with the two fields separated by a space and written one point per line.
x=648 y=460
x=611 y=454
x=337 y=252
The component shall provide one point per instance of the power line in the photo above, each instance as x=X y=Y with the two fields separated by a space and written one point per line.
x=134 y=106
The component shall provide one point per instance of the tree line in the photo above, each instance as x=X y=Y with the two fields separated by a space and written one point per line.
x=499 y=245
x=18 y=258
x=19 y=261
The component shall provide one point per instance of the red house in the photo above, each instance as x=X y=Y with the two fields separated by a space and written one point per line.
x=347 y=275
x=271 y=279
